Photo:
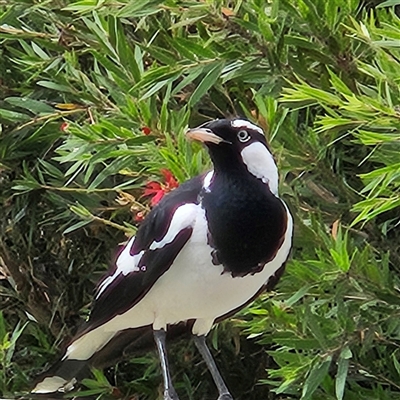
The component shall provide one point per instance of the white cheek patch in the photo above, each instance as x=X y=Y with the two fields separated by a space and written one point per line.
x=261 y=164
x=242 y=123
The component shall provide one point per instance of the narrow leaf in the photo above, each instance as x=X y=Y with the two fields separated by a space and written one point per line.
x=34 y=106
x=315 y=377
x=341 y=376
x=76 y=226
x=208 y=81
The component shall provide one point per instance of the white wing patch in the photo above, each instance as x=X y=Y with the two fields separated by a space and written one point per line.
x=124 y=260
x=242 y=123
x=261 y=164
x=127 y=263
x=184 y=217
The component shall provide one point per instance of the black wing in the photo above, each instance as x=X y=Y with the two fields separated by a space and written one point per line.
x=123 y=287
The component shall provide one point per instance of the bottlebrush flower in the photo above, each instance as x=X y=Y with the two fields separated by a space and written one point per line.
x=146 y=130
x=139 y=217
x=157 y=189
x=64 y=126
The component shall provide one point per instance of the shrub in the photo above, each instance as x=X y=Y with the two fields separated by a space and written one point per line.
x=94 y=100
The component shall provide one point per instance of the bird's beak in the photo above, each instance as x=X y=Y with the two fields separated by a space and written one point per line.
x=204 y=135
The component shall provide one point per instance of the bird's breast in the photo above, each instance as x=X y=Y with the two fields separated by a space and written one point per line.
x=246 y=226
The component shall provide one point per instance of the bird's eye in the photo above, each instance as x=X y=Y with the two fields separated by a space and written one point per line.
x=243 y=136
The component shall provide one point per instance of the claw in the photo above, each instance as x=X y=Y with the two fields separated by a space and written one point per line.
x=171 y=395
x=225 y=396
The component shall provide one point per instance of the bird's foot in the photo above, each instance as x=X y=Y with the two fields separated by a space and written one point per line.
x=170 y=395
x=225 y=396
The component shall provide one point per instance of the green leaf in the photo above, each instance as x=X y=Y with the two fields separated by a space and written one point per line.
x=154 y=89
x=338 y=84
x=341 y=376
x=315 y=377
x=34 y=106
x=55 y=86
x=206 y=83
x=193 y=74
x=396 y=362
x=13 y=116
x=81 y=211
x=16 y=334
x=196 y=50
x=76 y=226
x=3 y=329
x=111 y=169
x=297 y=296
x=388 y=3
x=139 y=8
x=40 y=52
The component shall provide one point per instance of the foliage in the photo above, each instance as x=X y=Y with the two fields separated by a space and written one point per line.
x=95 y=97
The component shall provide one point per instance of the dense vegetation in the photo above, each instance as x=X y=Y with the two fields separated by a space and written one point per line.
x=94 y=99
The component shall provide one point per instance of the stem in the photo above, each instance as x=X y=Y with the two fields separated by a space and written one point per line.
x=78 y=190
x=113 y=224
x=55 y=115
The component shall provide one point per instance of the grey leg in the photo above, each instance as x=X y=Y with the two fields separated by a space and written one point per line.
x=223 y=391
x=169 y=391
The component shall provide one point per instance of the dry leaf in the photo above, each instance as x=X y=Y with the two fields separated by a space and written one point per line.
x=335 y=228
x=227 y=12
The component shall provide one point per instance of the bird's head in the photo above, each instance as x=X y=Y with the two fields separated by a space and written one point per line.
x=238 y=145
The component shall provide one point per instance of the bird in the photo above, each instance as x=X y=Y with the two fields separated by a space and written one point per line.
x=204 y=252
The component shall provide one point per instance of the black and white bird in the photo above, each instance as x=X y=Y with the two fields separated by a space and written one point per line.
x=203 y=253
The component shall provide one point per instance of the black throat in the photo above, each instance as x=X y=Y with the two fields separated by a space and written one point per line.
x=247 y=223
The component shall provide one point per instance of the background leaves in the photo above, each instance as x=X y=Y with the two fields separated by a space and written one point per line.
x=95 y=97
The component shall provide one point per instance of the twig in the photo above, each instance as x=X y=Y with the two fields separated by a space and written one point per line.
x=55 y=115
x=113 y=224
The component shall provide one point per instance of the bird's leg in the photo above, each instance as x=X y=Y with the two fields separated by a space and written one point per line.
x=169 y=391
x=201 y=344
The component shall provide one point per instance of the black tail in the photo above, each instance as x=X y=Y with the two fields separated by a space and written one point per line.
x=63 y=375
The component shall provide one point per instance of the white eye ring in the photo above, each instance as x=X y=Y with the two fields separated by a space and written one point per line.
x=243 y=136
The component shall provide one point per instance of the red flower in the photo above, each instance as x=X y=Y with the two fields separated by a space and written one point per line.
x=170 y=181
x=64 y=126
x=158 y=190
x=139 y=217
x=154 y=189
x=146 y=130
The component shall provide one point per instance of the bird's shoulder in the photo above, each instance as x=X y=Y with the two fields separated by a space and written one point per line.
x=159 y=219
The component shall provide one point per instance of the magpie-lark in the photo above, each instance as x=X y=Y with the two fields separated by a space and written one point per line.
x=203 y=253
